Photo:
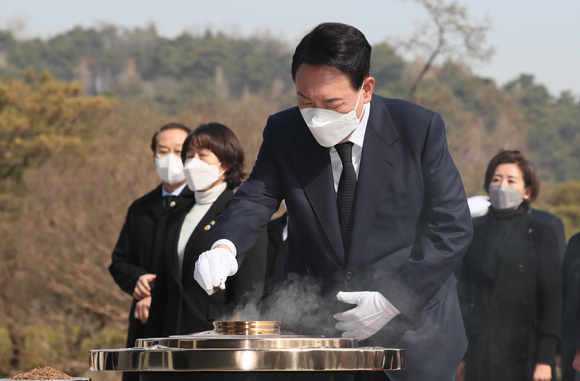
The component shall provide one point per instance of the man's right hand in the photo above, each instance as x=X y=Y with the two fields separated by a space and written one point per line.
x=143 y=287
x=213 y=267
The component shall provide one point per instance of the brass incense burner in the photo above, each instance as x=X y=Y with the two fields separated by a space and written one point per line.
x=247 y=350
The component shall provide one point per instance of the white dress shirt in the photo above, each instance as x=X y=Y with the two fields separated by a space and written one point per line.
x=357 y=137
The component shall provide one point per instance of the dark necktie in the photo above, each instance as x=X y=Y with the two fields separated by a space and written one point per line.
x=168 y=200
x=346 y=189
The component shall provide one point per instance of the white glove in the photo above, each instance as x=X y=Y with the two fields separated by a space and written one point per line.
x=213 y=267
x=373 y=312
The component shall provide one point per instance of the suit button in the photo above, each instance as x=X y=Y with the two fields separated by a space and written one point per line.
x=348 y=275
x=521 y=268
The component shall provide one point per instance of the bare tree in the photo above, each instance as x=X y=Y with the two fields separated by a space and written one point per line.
x=449 y=33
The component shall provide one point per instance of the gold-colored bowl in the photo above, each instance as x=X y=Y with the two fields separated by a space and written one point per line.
x=256 y=327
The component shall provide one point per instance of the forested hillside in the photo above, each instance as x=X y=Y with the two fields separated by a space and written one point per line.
x=140 y=63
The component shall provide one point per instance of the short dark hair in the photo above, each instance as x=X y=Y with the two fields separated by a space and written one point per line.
x=531 y=178
x=168 y=126
x=341 y=46
x=222 y=141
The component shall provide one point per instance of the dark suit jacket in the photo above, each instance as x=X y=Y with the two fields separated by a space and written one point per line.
x=139 y=247
x=411 y=224
x=179 y=305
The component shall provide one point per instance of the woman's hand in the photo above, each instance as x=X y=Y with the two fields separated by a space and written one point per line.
x=461 y=371
x=142 y=287
x=142 y=309
x=542 y=372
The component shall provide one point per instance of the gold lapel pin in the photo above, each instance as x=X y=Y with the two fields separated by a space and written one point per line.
x=207 y=227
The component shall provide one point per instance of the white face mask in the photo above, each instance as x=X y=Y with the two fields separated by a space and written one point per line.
x=330 y=127
x=504 y=197
x=201 y=175
x=170 y=169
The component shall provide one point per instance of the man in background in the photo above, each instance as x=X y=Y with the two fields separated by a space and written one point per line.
x=137 y=253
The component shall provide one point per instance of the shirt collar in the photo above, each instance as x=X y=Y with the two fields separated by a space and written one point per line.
x=176 y=192
x=358 y=136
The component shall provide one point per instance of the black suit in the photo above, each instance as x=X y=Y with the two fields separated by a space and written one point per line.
x=411 y=224
x=179 y=305
x=139 y=248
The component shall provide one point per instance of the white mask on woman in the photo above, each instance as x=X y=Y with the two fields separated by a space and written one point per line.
x=330 y=127
x=201 y=175
x=170 y=169
x=504 y=197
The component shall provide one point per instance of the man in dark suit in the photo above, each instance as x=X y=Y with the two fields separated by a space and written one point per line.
x=136 y=256
x=383 y=218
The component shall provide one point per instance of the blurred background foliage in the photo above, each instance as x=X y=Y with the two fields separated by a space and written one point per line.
x=77 y=112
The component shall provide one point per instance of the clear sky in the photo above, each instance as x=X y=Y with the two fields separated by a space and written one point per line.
x=536 y=37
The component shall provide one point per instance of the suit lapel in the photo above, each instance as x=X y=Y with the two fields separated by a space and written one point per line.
x=378 y=164
x=173 y=230
x=186 y=198
x=156 y=204
x=312 y=163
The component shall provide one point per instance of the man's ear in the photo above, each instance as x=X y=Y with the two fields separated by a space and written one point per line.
x=368 y=88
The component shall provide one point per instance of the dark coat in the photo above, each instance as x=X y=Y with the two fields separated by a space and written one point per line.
x=571 y=310
x=139 y=247
x=555 y=222
x=512 y=318
x=411 y=224
x=179 y=305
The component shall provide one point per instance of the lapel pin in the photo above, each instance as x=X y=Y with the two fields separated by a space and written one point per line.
x=207 y=227
x=172 y=204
